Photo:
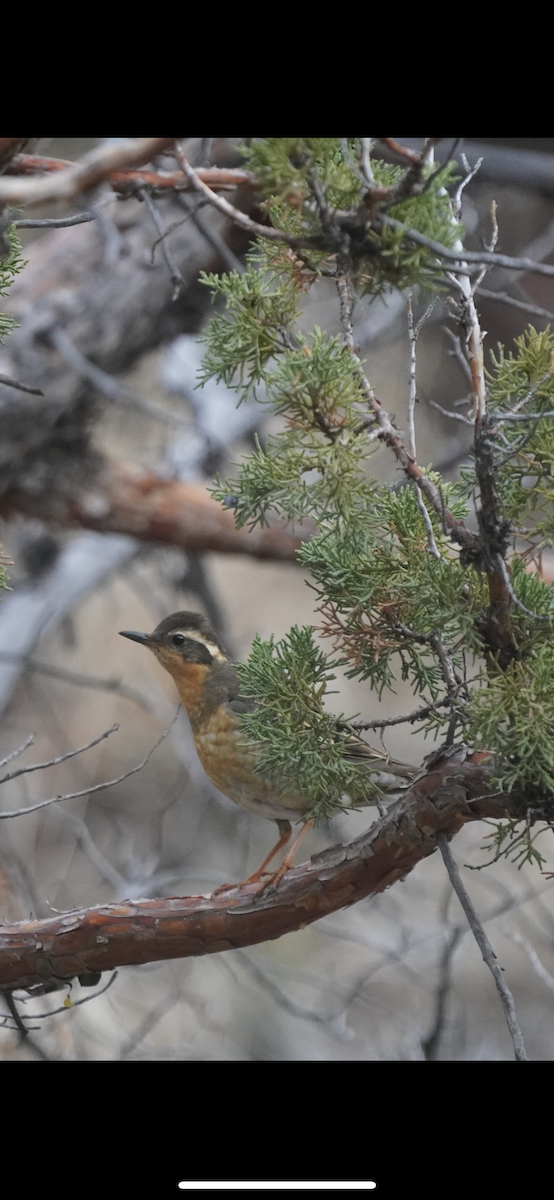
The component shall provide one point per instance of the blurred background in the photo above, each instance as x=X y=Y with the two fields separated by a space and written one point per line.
x=106 y=517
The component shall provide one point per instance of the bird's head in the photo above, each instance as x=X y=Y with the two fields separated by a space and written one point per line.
x=186 y=645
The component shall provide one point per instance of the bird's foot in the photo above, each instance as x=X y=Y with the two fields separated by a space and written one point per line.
x=229 y=887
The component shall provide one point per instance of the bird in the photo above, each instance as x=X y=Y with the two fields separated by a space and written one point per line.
x=207 y=682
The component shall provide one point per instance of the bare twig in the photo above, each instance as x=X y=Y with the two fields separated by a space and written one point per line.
x=513 y=416
x=20 y=750
x=351 y=161
x=64 y=1008
x=81 y=218
x=412 y=394
x=98 y=787
x=479 y=258
x=412 y=399
x=533 y=309
x=109 y=386
x=223 y=206
x=53 y=762
x=20 y=387
x=468 y=316
x=431 y=1042
x=538 y=966
x=411 y=156
x=214 y=239
x=365 y=150
x=55 y=222
x=453 y=416
x=417 y=715
x=457 y=352
x=392 y=437
x=503 y=571
x=474 y=342
x=451 y=679
x=109 y=683
x=176 y=277
x=485 y=947
x=18 y=1020
x=470 y=172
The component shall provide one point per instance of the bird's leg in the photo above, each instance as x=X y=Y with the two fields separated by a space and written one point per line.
x=286 y=864
x=285 y=832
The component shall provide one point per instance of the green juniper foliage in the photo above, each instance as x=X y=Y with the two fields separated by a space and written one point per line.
x=311 y=755
x=292 y=172
x=3 y=574
x=10 y=266
x=392 y=601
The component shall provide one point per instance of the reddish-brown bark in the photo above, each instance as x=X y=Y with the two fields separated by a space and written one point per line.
x=452 y=792
x=124 y=498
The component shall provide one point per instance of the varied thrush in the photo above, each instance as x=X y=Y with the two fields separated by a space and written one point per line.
x=207 y=682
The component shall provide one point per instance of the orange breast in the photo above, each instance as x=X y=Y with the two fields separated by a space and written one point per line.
x=228 y=764
x=232 y=768
x=189 y=679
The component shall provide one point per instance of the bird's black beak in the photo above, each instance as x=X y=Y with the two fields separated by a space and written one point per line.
x=143 y=638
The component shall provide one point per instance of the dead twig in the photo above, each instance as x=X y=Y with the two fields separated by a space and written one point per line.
x=54 y=762
x=98 y=787
x=109 y=386
x=489 y=957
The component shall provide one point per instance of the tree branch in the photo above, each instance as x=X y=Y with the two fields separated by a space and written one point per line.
x=252 y=227
x=392 y=438
x=489 y=957
x=453 y=791
x=123 y=498
x=479 y=257
x=73 y=179
x=89 y=791
x=127 y=182
x=53 y=762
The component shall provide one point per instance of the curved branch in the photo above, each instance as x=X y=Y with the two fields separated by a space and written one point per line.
x=453 y=791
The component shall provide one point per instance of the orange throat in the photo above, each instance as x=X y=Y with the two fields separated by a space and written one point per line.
x=189 y=680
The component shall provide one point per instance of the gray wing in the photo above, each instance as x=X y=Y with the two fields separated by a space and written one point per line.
x=241 y=705
x=224 y=688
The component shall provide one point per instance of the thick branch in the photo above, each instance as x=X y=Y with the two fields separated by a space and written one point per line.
x=126 y=499
x=75 y=178
x=453 y=792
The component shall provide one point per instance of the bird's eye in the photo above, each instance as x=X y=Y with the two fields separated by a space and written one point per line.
x=178 y=639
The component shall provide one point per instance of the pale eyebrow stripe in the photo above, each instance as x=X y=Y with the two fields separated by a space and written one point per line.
x=210 y=646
